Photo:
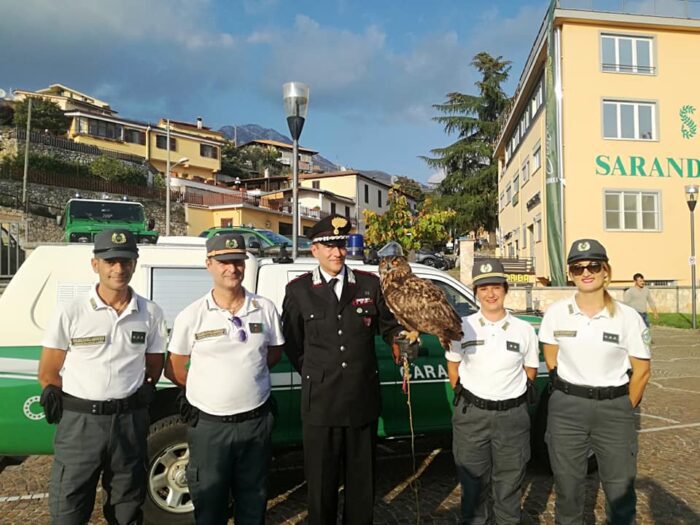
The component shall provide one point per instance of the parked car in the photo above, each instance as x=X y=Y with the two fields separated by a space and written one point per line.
x=256 y=237
x=429 y=257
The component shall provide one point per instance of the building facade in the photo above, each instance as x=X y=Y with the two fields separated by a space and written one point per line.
x=306 y=163
x=601 y=140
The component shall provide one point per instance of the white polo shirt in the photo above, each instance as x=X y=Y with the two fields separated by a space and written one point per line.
x=595 y=351
x=491 y=356
x=227 y=376
x=106 y=352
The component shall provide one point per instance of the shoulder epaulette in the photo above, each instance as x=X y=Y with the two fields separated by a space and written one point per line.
x=299 y=277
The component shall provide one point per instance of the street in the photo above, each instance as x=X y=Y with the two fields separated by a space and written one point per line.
x=668 y=485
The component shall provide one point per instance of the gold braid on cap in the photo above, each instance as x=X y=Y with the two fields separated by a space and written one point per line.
x=338 y=222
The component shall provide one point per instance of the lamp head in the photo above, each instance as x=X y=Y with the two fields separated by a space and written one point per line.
x=296 y=99
x=691 y=196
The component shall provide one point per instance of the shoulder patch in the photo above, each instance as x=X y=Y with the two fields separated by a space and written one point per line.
x=646 y=336
x=299 y=278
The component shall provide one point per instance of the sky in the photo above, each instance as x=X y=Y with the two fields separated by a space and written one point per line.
x=374 y=67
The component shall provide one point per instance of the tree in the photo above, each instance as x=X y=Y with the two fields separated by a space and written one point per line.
x=399 y=224
x=46 y=115
x=470 y=186
x=410 y=187
x=250 y=161
x=116 y=171
x=6 y=113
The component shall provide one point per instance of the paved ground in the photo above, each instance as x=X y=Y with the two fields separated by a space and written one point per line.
x=668 y=482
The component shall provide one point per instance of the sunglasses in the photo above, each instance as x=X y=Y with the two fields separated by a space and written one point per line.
x=240 y=331
x=593 y=268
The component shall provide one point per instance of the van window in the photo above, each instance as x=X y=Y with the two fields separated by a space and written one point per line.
x=173 y=289
x=462 y=305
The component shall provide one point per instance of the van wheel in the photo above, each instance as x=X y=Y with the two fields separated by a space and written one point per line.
x=540 y=455
x=168 y=497
x=429 y=261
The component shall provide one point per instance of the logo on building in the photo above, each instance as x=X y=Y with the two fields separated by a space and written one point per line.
x=688 y=126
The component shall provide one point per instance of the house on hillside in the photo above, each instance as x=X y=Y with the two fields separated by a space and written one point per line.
x=305 y=154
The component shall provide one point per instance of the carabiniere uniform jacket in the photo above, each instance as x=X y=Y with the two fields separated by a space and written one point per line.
x=331 y=344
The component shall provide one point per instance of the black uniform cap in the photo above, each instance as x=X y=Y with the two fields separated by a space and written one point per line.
x=586 y=250
x=227 y=247
x=488 y=271
x=334 y=229
x=115 y=244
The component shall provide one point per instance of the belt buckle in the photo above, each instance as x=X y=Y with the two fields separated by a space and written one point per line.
x=96 y=408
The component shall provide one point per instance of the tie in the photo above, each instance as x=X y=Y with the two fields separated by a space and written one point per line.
x=331 y=286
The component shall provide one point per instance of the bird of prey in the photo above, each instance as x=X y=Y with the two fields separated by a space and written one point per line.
x=418 y=304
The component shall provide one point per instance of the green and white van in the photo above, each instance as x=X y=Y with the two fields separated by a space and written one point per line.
x=173 y=274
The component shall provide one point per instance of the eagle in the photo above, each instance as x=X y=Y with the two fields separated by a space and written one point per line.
x=418 y=304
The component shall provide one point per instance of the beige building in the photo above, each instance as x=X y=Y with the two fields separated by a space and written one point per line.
x=367 y=192
x=306 y=163
x=615 y=95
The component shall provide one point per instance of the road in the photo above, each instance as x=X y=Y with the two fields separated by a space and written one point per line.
x=668 y=482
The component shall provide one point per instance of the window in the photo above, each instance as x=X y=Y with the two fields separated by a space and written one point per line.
x=627 y=54
x=161 y=143
x=536 y=157
x=379 y=198
x=632 y=210
x=105 y=130
x=524 y=244
x=347 y=211
x=538 y=228
x=629 y=120
x=226 y=223
x=462 y=305
x=332 y=207
x=210 y=152
x=134 y=136
x=502 y=200
x=366 y=194
x=509 y=194
x=525 y=171
x=316 y=184
x=516 y=184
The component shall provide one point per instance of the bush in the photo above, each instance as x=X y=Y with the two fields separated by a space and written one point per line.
x=46 y=115
x=48 y=164
x=113 y=170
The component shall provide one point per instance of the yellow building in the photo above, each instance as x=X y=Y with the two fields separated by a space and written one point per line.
x=202 y=218
x=306 y=155
x=94 y=122
x=601 y=140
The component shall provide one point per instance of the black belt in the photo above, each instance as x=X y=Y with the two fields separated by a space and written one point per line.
x=591 y=392
x=101 y=408
x=236 y=418
x=491 y=404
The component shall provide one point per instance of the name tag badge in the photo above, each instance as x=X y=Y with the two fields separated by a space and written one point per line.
x=512 y=346
x=255 y=328
x=208 y=334
x=475 y=342
x=564 y=333
x=138 y=338
x=89 y=341
x=611 y=338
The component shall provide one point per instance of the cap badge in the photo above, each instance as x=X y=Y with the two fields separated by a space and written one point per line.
x=584 y=246
x=118 y=238
x=486 y=268
x=338 y=222
x=231 y=243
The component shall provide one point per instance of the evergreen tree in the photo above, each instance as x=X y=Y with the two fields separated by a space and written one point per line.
x=46 y=115
x=470 y=186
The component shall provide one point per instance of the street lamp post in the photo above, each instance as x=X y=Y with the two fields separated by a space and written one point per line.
x=296 y=104
x=691 y=197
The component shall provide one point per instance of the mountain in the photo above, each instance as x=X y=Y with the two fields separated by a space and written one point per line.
x=247 y=132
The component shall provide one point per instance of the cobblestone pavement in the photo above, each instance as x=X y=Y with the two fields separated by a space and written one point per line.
x=668 y=482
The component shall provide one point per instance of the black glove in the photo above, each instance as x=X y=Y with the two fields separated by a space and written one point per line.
x=533 y=395
x=188 y=413
x=52 y=401
x=146 y=394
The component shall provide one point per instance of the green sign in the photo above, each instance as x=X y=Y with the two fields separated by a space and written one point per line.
x=638 y=166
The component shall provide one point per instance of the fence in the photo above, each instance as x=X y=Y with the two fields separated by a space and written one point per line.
x=67 y=144
x=81 y=183
x=11 y=253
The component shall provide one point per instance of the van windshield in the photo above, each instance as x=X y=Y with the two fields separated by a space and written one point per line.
x=106 y=211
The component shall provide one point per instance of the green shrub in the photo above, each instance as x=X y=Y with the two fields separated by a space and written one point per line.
x=113 y=170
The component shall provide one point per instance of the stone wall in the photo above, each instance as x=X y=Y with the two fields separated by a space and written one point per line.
x=669 y=299
x=48 y=201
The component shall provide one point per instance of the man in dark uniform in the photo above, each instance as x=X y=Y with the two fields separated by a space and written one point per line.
x=330 y=317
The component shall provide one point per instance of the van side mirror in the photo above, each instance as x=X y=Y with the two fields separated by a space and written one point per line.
x=151 y=224
x=254 y=245
x=59 y=219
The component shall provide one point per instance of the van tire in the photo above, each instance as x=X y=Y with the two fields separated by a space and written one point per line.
x=167 y=458
x=538 y=447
